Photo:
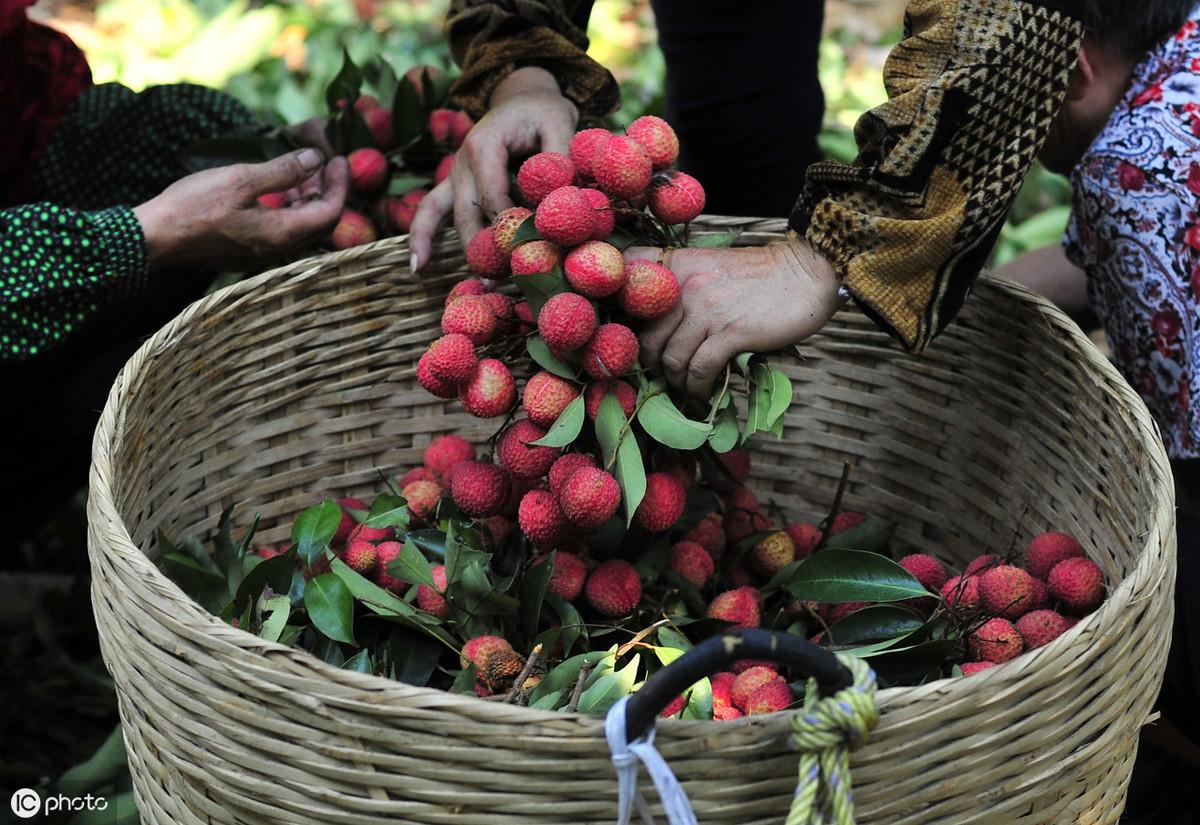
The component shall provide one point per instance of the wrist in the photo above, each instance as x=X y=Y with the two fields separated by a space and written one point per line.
x=816 y=268
x=159 y=245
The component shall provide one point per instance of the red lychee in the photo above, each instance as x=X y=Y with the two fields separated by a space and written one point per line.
x=431 y=383
x=622 y=168
x=452 y=358
x=625 y=394
x=996 y=640
x=772 y=554
x=348 y=523
x=590 y=497
x=478 y=650
x=595 y=269
x=741 y=524
x=737 y=464
x=541 y=519
x=1078 y=584
x=962 y=593
x=927 y=570
x=273 y=200
x=422 y=498
x=613 y=589
x=368 y=170
x=502 y=306
x=675 y=197
x=465 y=287
x=971 y=668
x=353 y=229
x=584 y=147
x=542 y=174
x=750 y=680
x=569 y=573
x=546 y=396
x=362 y=557
x=657 y=137
x=533 y=257
x=505 y=226
x=1040 y=627
x=444 y=452
x=743 y=498
x=663 y=503
x=692 y=562
x=430 y=599
x=484 y=256
x=479 y=489
x=523 y=313
x=673 y=707
x=471 y=316
x=611 y=352
x=567 y=321
x=650 y=290
x=516 y=452
x=844 y=521
x=565 y=217
x=389 y=551
x=602 y=209
x=722 y=689
x=400 y=211
x=439 y=125
x=1047 y=550
x=379 y=123
x=709 y=534
x=982 y=563
x=564 y=467
x=805 y=538
x=1006 y=591
x=491 y=391
x=415 y=474
x=772 y=697
x=739 y=606
x=834 y=613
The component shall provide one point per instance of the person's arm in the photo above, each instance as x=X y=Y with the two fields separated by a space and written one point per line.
x=972 y=90
x=1049 y=273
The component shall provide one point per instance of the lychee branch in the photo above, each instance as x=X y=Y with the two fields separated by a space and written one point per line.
x=530 y=664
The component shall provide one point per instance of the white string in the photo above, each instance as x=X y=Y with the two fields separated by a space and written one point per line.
x=625 y=757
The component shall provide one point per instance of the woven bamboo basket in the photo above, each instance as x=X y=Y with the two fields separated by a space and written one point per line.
x=300 y=383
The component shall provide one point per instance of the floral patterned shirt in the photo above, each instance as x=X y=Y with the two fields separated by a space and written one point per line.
x=1135 y=230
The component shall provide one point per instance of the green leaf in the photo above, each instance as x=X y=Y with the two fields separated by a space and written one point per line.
x=460 y=555
x=570 y=620
x=726 y=432
x=276 y=612
x=314 y=529
x=209 y=588
x=699 y=701
x=429 y=541
x=464 y=682
x=540 y=287
x=741 y=363
x=540 y=352
x=616 y=439
x=563 y=676
x=388 y=510
x=874 y=623
x=224 y=553
x=606 y=690
x=670 y=637
x=275 y=571
x=527 y=231
x=345 y=85
x=713 y=240
x=912 y=665
x=330 y=607
x=663 y=422
x=101 y=768
x=533 y=593
x=566 y=428
x=414 y=656
x=548 y=701
x=837 y=575
x=401 y=185
x=873 y=535
x=761 y=384
x=411 y=566
x=409 y=118
x=360 y=662
x=781 y=396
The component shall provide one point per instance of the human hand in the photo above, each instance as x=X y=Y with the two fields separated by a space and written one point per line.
x=752 y=299
x=528 y=114
x=212 y=218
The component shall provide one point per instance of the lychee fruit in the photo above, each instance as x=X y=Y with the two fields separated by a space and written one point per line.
x=1040 y=627
x=673 y=707
x=996 y=640
x=722 y=689
x=737 y=464
x=805 y=538
x=505 y=226
x=614 y=588
x=444 y=452
x=533 y=257
x=675 y=197
x=368 y=170
x=1047 y=550
x=564 y=467
x=622 y=168
x=834 y=613
x=590 y=497
x=692 y=562
x=477 y=651
x=523 y=313
x=362 y=532
x=662 y=504
x=743 y=498
x=353 y=229
x=657 y=137
x=388 y=552
x=444 y=168
x=1041 y=595
x=516 y=452
x=567 y=321
x=415 y=474
x=546 y=396
x=465 y=287
x=709 y=534
x=490 y=391
x=452 y=358
x=1006 y=591
x=542 y=174
x=479 y=489
x=739 y=606
x=364 y=103
x=362 y=557
x=273 y=200
x=1078 y=584
x=927 y=570
x=347 y=524
x=484 y=256
x=565 y=217
x=422 y=498
x=400 y=211
x=971 y=668
x=379 y=123
x=595 y=269
x=844 y=521
x=541 y=519
x=502 y=306
x=771 y=697
x=650 y=290
x=431 y=383
x=961 y=593
x=772 y=554
x=471 y=316
x=450 y=127
x=567 y=577
x=430 y=599
x=602 y=209
x=625 y=394
x=750 y=680
x=982 y=563
x=584 y=147
x=741 y=524
x=501 y=669
x=612 y=352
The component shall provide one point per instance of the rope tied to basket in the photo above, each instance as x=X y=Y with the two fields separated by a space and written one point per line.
x=825 y=731
x=625 y=758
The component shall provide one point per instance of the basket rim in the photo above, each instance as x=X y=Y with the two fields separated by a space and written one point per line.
x=187 y=612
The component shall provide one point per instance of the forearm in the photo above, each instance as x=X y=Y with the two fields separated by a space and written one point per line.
x=1048 y=272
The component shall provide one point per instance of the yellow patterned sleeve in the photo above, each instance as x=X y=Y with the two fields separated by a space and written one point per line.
x=972 y=89
x=491 y=38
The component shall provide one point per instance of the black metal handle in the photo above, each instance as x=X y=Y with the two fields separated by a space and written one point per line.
x=715 y=654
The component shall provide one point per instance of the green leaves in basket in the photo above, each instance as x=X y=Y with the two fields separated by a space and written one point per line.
x=915 y=663
x=314 y=529
x=409 y=116
x=388 y=510
x=605 y=686
x=275 y=614
x=621 y=453
x=725 y=432
x=330 y=607
x=411 y=566
x=345 y=128
x=208 y=587
x=561 y=678
x=385 y=604
x=570 y=621
x=873 y=535
x=275 y=572
x=698 y=700
x=875 y=623
x=540 y=287
x=835 y=575
x=567 y=427
x=663 y=421
x=540 y=352
x=412 y=657
x=533 y=594
x=527 y=231
x=713 y=240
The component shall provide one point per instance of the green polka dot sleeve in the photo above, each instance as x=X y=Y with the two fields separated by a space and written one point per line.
x=59 y=266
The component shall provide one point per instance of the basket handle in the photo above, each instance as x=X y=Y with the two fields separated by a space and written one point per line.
x=715 y=654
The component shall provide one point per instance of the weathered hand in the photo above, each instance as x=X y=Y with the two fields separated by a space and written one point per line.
x=528 y=114
x=212 y=218
x=753 y=299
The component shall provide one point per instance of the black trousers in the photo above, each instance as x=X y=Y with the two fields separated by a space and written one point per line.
x=742 y=93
